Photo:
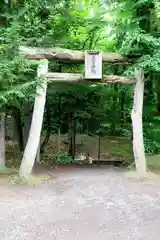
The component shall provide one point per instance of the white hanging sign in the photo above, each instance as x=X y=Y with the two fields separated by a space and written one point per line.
x=93 y=65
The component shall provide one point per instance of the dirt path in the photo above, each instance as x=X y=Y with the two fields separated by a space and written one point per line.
x=87 y=203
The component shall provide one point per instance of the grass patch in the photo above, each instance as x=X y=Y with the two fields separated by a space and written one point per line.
x=153 y=162
x=5 y=173
x=149 y=178
x=16 y=179
x=10 y=175
x=8 y=171
x=117 y=147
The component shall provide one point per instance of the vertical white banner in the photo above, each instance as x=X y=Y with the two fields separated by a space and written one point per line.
x=93 y=65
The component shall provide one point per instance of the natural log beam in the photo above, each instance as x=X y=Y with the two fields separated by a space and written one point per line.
x=77 y=77
x=66 y=55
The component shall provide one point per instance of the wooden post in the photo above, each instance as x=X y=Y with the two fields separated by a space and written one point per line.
x=136 y=116
x=36 y=124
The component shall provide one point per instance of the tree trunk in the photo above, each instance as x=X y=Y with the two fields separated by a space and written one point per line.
x=114 y=107
x=138 y=144
x=59 y=127
x=14 y=128
x=46 y=140
x=8 y=126
x=144 y=13
x=158 y=102
x=122 y=102
x=38 y=158
x=99 y=147
x=48 y=133
x=70 y=129
x=36 y=125
x=59 y=141
x=20 y=132
x=17 y=128
x=27 y=121
x=74 y=139
x=71 y=135
x=2 y=140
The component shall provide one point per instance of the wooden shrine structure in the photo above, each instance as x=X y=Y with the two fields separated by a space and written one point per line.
x=92 y=74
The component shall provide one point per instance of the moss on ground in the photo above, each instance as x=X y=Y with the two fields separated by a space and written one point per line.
x=148 y=178
x=16 y=179
x=7 y=171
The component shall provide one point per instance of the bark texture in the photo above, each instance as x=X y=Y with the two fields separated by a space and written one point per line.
x=49 y=127
x=27 y=121
x=66 y=55
x=36 y=124
x=78 y=77
x=38 y=156
x=138 y=143
x=17 y=128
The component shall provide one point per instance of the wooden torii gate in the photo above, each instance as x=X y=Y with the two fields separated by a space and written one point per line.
x=66 y=55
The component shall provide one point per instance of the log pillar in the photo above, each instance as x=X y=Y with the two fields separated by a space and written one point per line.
x=136 y=116
x=36 y=124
